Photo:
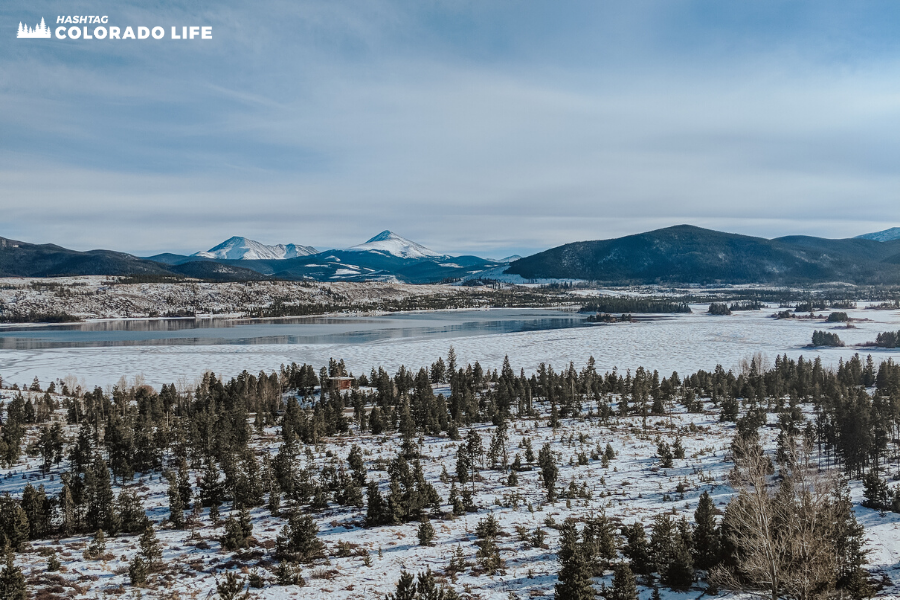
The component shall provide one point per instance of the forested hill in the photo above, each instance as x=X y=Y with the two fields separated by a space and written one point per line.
x=688 y=254
x=21 y=259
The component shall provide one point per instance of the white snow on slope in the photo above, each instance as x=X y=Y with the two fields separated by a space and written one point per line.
x=882 y=236
x=241 y=248
x=389 y=242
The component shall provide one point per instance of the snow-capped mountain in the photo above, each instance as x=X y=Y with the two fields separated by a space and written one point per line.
x=882 y=236
x=241 y=248
x=388 y=242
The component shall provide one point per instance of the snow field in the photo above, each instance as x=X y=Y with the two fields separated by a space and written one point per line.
x=632 y=488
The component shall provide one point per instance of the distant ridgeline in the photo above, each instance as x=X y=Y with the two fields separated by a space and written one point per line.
x=685 y=254
x=631 y=304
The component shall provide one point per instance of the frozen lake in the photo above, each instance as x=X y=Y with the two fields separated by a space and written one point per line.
x=302 y=330
x=99 y=354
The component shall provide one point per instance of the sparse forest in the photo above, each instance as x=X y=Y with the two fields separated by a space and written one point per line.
x=282 y=451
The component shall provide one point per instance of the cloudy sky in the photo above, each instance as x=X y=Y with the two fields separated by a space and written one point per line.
x=481 y=126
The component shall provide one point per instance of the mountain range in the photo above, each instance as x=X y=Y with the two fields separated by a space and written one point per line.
x=687 y=254
x=385 y=257
x=681 y=254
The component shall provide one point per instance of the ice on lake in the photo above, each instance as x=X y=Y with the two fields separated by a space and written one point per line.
x=683 y=343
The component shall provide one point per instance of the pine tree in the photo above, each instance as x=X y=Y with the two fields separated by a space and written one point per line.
x=599 y=542
x=377 y=512
x=132 y=518
x=624 y=586
x=707 y=544
x=231 y=587
x=66 y=506
x=184 y=484
x=14 y=526
x=549 y=471
x=101 y=507
x=97 y=547
x=37 y=510
x=211 y=487
x=662 y=542
x=151 y=551
x=488 y=553
x=237 y=531
x=425 y=532
x=679 y=573
x=298 y=539
x=274 y=505
x=176 y=507
x=137 y=570
x=406 y=588
x=463 y=464
x=636 y=548
x=575 y=570
x=12 y=581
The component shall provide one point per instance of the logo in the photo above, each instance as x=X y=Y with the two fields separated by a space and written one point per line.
x=39 y=31
x=101 y=30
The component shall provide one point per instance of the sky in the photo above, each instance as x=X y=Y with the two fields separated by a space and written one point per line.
x=480 y=127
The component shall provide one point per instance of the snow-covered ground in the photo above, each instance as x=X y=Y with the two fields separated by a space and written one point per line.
x=682 y=343
x=631 y=488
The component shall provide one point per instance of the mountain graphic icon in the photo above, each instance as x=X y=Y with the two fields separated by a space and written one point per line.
x=39 y=31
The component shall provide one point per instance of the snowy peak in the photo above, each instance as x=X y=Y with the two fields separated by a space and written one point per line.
x=882 y=236
x=241 y=248
x=388 y=242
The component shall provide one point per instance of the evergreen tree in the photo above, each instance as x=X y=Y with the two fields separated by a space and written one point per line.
x=298 y=539
x=211 y=486
x=97 y=547
x=237 y=531
x=679 y=573
x=176 y=506
x=101 y=509
x=406 y=588
x=599 y=542
x=377 y=512
x=636 y=548
x=12 y=581
x=624 y=586
x=137 y=570
x=14 y=526
x=66 y=507
x=150 y=552
x=37 y=510
x=132 y=518
x=463 y=465
x=662 y=542
x=575 y=570
x=230 y=588
x=707 y=545
x=549 y=471
x=425 y=532
x=184 y=484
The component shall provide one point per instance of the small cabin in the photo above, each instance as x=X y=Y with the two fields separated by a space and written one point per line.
x=340 y=384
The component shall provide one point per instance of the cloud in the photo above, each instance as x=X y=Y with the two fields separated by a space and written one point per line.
x=476 y=127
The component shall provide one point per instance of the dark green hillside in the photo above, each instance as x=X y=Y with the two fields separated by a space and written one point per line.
x=20 y=259
x=687 y=254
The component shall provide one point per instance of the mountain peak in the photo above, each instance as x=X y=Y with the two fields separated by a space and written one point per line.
x=384 y=236
x=241 y=248
x=388 y=242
